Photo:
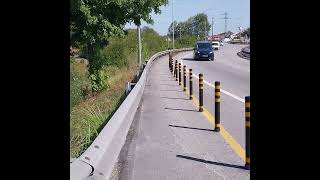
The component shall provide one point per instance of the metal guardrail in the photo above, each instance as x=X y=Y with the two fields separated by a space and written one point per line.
x=98 y=161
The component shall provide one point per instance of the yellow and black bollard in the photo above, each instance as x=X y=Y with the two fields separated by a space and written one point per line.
x=170 y=65
x=171 y=61
x=184 y=78
x=190 y=83
x=201 y=92
x=217 y=106
x=180 y=74
x=247 y=115
x=176 y=70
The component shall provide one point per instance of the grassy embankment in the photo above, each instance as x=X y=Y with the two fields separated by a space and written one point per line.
x=90 y=112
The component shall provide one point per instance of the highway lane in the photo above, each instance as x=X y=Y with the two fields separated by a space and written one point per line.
x=233 y=73
x=227 y=67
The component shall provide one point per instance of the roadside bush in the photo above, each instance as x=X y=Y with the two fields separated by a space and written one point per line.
x=153 y=41
x=115 y=54
x=80 y=86
x=185 y=41
x=99 y=80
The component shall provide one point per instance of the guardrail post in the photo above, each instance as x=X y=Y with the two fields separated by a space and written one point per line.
x=190 y=84
x=247 y=115
x=176 y=70
x=184 y=78
x=201 y=92
x=180 y=74
x=217 y=106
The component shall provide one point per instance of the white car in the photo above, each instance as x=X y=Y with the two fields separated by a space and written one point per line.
x=215 y=45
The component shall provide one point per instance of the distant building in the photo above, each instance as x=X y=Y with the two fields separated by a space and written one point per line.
x=220 y=37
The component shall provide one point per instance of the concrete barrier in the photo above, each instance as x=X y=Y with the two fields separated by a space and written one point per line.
x=98 y=161
x=245 y=53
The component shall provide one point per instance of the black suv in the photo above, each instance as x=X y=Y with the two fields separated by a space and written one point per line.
x=203 y=50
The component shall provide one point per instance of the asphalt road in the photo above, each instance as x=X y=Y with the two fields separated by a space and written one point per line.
x=233 y=73
x=171 y=139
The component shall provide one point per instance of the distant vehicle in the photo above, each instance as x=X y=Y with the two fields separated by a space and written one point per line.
x=203 y=50
x=226 y=39
x=236 y=41
x=215 y=45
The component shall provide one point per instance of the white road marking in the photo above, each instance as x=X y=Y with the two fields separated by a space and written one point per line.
x=223 y=91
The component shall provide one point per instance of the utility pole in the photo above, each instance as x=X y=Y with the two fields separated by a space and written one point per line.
x=225 y=21
x=139 y=45
x=205 y=23
x=172 y=26
x=205 y=29
x=168 y=40
x=212 y=28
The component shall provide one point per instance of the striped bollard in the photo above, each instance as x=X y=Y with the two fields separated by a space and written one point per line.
x=170 y=67
x=201 y=92
x=190 y=84
x=184 y=78
x=171 y=61
x=247 y=115
x=217 y=105
x=176 y=69
x=180 y=74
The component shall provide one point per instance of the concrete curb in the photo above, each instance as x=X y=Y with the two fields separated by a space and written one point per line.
x=244 y=53
x=98 y=161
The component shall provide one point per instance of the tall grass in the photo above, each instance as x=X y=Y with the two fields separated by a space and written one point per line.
x=79 y=83
x=89 y=116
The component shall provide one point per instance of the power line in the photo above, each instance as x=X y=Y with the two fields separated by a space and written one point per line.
x=225 y=21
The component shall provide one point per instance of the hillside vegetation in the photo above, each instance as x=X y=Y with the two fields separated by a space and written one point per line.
x=92 y=105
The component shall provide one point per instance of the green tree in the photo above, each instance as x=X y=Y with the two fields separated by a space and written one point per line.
x=246 y=32
x=194 y=26
x=93 y=22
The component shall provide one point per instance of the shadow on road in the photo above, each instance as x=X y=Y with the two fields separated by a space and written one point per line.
x=174 y=98
x=170 y=85
x=192 y=128
x=181 y=109
x=211 y=162
x=166 y=80
x=172 y=90
x=188 y=59
x=191 y=59
x=163 y=74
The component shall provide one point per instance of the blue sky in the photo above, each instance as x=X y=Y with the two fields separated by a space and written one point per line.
x=238 y=12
